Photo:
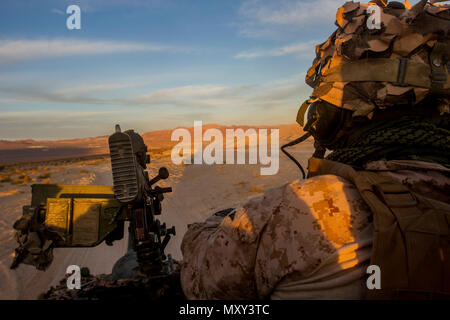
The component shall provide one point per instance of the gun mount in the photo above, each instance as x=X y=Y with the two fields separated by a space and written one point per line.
x=84 y=216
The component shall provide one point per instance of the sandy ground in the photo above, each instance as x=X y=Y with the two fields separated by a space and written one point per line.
x=198 y=191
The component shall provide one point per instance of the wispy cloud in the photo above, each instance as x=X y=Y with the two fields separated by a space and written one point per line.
x=300 y=50
x=294 y=79
x=57 y=11
x=200 y=91
x=19 y=50
x=102 y=5
x=261 y=18
x=14 y=93
x=183 y=97
x=158 y=109
x=60 y=124
x=99 y=5
x=223 y=97
x=57 y=124
x=293 y=12
x=97 y=88
x=50 y=116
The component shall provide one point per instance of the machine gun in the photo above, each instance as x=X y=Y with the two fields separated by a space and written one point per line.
x=84 y=216
x=133 y=188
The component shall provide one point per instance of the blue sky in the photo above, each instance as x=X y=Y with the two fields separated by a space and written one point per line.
x=154 y=64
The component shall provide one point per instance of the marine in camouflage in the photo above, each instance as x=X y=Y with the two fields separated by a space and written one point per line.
x=304 y=240
x=379 y=93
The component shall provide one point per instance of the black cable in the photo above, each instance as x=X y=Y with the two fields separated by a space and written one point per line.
x=293 y=143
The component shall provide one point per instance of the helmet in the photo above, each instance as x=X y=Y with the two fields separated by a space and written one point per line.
x=363 y=69
x=385 y=61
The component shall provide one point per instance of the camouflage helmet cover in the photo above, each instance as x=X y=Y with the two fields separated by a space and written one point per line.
x=402 y=61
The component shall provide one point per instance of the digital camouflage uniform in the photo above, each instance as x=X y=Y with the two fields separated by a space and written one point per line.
x=304 y=240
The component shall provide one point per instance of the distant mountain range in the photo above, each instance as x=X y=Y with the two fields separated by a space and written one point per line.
x=20 y=151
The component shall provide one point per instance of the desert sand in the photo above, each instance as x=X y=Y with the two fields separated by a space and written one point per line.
x=198 y=191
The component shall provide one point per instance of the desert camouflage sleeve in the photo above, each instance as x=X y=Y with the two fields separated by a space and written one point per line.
x=304 y=232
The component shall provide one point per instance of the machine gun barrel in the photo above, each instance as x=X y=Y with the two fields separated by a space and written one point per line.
x=133 y=188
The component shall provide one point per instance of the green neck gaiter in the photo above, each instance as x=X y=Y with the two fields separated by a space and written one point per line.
x=408 y=138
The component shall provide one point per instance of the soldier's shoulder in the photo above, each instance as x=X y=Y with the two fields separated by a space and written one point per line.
x=309 y=194
x=321 y=185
